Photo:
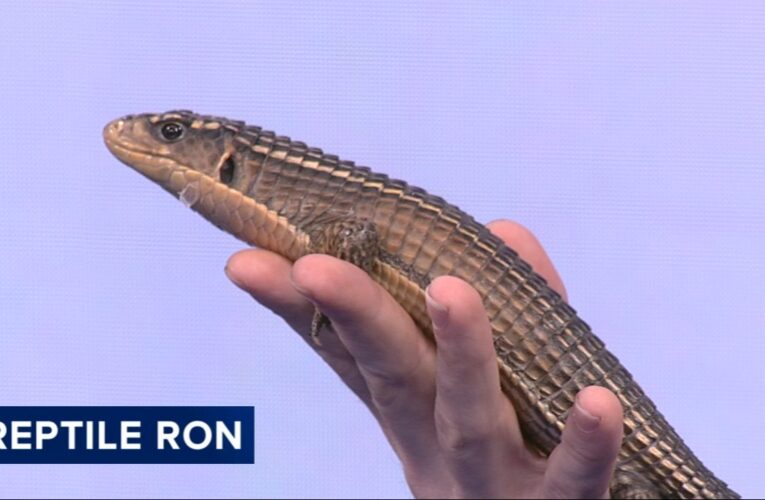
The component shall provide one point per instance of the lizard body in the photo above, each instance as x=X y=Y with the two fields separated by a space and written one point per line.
x=283 y=196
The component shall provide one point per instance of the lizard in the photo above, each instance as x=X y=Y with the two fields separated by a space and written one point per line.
x=283 y=196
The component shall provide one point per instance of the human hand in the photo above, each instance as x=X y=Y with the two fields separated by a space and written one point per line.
x=442 y=409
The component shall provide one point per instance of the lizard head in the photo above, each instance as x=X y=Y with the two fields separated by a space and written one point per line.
x=202 y=160
x=177 y=148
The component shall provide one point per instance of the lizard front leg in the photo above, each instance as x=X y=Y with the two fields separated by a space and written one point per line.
x=356 y=242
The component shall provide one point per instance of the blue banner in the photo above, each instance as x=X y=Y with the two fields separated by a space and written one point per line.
x=127 y=434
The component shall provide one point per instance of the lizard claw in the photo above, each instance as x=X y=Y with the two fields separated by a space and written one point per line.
x=320 y=320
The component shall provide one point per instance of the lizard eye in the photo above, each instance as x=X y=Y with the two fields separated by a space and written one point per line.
x=172 y=131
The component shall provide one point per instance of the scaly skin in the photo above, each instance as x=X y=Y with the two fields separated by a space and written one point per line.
x=285 y=197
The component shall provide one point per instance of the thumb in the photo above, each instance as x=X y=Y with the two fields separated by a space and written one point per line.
x=582 y=464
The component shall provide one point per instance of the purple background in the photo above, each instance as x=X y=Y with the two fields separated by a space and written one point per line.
x=629 y=137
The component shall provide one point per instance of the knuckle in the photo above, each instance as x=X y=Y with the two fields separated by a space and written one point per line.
x=392 y=393
x=587 y=454
x=386 y=395
x=392 y=386
x=462 y=440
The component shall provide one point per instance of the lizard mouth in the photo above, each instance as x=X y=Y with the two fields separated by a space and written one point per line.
x=163 y=170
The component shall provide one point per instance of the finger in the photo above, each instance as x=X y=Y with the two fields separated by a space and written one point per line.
x=528 y=247
x=378 y=332
x=393 y=356
x=476 y=425
x=582 y=464
x=266 y=277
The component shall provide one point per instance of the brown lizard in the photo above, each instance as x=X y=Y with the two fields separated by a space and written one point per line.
x=283 y=196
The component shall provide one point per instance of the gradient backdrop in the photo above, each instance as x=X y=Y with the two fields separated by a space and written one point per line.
x=629 y=137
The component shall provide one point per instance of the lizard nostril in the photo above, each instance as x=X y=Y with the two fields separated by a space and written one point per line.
x=114 y=128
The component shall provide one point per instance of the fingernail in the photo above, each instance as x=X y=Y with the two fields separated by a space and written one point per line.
x=229 y=276
x=586 y=421
x=439 y=313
